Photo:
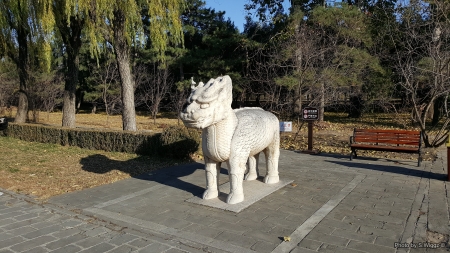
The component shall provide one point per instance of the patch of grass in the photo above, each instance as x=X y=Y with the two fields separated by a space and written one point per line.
x=45 y=170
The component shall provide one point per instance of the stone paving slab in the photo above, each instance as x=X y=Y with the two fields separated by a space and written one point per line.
x=253 y=191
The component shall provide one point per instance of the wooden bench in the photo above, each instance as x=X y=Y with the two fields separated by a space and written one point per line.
x=404 y=141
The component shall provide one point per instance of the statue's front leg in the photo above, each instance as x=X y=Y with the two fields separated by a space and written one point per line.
x=236 y=172
x=212 y=170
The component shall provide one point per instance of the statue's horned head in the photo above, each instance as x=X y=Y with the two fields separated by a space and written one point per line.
x=208 y=103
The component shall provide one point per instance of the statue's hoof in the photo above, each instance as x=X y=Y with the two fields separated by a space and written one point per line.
x=250 y=177
x=271 y=179
x=210 y=194
x=234 y=198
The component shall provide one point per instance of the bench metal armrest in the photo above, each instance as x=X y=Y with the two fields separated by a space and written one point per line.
x=352 y=139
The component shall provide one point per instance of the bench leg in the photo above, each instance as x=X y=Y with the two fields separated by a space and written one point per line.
x=419 y=160
x=353 y=153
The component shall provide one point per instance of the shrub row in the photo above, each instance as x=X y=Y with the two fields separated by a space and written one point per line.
x=110 y=140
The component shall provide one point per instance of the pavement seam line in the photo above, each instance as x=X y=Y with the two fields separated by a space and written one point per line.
x=129 y=196
x=303 y=230
x=225 y=246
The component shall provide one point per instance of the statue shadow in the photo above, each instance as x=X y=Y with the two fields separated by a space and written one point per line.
x=140 y=168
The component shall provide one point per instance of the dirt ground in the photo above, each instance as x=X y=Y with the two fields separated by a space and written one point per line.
x=45 y=170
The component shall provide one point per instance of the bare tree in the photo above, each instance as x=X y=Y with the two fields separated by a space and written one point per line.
x=105 y=80
x=46 y=93
x=153 y=86
x=178 y=97
x=423 y=65
x=8 y=81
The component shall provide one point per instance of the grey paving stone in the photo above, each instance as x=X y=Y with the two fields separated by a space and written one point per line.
x=386 y=241
x=301 y=250
x=354 y=236
x=67 y=249
x=4 y=222
x=89 y=242
x=71 y=223
x=154 y=247
x=12 y=241
x=102 y=247
x=328 y=239
x=43 y=231
x=6 y=251
x=174 y=250
x=175 y=223
x=65 y=241
x=66 y=233
x=123 y=249
x=37 y=250
x=325 y=248
x=264 y=246
x=26 y=216
x=388 y=219
x=203 y=230
x=97 y=231
x=310 y=244
x=369 y=247
x=122 y=239
x=29 y=244
x=22 y=230
x=221 y=225
x=237 y=239
x=140 y=243
x=378 y=231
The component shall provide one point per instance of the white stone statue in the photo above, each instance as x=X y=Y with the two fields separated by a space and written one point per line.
x=231 y=136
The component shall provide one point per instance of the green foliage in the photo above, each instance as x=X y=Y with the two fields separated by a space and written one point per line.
x=180 y=142
x=112 y=141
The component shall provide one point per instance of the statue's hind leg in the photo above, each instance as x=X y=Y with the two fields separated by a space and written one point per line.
x=253 y=170
x=272 y=153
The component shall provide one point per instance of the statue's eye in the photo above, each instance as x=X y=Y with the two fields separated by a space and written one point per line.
x=184 y=107
x=204 y=106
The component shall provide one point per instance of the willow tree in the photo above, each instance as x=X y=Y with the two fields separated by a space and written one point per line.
x=124 y=22
x=15 y=28
x=71 y=18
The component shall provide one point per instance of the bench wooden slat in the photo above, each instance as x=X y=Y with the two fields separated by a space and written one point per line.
x=400 y=142
x=387 y=131
x=384 y=148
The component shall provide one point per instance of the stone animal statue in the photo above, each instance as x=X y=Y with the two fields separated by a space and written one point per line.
x=232 y=136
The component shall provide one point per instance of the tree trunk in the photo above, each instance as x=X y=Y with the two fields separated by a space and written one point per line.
x=72 y=40
x=298 y=100
x=69 y=108
x=122 y=51
x=322 y=101
x=24 y=63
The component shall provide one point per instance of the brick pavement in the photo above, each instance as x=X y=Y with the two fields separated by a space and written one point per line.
x=334 y=205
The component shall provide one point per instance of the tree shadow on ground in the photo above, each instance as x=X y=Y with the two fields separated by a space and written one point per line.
x=140 y=168
x=397 y=169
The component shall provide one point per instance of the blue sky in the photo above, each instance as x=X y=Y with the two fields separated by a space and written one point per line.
x=234 y=9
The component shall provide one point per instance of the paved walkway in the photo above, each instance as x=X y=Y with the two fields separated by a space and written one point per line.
x=333 y=205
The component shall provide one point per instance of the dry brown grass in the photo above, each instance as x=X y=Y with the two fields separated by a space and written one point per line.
x=45 y=170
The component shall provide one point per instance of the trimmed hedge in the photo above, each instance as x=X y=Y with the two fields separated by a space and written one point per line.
x=112 y=141
x=179 y=141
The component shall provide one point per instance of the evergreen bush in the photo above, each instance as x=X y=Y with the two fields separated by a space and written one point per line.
x=180 y=142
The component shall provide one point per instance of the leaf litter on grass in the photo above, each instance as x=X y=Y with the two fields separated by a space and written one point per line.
x=46 y=170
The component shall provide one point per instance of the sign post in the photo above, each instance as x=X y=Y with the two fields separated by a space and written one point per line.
x=310 y=114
